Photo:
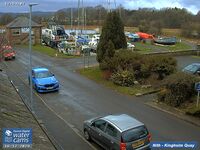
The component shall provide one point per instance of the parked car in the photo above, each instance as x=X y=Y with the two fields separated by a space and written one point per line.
x=117 y=132
x=193 y=68
x=9 y=54
x=130 y=46
x=43 y=80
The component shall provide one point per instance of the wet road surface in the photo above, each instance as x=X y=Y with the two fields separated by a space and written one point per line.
x=80 y=98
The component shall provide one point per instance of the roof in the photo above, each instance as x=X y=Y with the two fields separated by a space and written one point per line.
x=39 y=69
x=197 y=64
x=21 y=22
x=123 y=122
x=193 y=64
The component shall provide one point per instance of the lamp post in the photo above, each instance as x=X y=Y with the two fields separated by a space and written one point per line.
x=30 y=55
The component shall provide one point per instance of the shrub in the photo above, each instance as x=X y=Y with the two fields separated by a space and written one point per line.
x=143 y=72
x=162 y=94
x=179 y=88
x=162 y=65
x=123 y=78
x=126 y=60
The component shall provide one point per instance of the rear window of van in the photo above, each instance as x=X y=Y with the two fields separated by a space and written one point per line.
x=134 y=134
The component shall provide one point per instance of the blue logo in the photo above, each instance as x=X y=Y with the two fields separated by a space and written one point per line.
x=17 y=138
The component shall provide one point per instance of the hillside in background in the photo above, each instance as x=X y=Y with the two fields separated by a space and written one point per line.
x=146 y=19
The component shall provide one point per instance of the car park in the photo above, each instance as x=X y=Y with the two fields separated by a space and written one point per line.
x=43 y=80
x=117 y=132
x=193 y=68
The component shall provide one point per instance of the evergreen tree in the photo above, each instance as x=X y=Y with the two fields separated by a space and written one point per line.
x=110 y=51
x=112 y=30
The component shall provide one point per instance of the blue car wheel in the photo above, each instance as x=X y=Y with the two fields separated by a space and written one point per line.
x=35 y=87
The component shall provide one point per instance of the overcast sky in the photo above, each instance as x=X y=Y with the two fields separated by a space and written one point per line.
x=54 y=5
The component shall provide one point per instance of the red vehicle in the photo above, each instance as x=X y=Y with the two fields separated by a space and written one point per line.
x=144 y=35
x=8 y=53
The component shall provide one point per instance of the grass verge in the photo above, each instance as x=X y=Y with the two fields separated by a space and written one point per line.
x=191 y=109
x=49 y=51
x=148 y=47
x=94 y=73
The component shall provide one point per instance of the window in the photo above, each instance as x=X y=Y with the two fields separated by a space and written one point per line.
x=100 y=124
x=192 y=68
x=43 y=74
x=134 y=134
x=60 y=32
x=15 y=31
x=112 y=131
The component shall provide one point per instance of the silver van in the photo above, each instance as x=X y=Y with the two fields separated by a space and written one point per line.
x=117 y=132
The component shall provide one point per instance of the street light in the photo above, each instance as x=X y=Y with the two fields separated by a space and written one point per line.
x=30 y=55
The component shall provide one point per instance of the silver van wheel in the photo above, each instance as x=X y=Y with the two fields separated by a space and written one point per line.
x=86 y=135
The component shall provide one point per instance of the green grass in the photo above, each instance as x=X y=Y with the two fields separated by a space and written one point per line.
x=148 y=47
x=196 y=56
x=192 y=110
x=49 y=51
x=144 y=47
x=94 y=73
x=180 y=46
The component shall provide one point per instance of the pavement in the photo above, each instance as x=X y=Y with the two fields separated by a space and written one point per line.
x=14 y=114
x=80 y=99
x=174 y=111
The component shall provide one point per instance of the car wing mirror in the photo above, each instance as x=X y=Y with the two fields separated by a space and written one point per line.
x=93 y=124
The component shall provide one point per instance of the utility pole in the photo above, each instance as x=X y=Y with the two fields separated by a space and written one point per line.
x=82 y=17
x=78 y=14
x=109 y=5
x=71 y=19
x=30 y=55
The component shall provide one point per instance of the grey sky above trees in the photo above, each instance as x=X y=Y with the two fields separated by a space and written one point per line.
x=54 y=5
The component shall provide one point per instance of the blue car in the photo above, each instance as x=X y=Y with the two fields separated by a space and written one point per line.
x=43 y=80
x=193 y=68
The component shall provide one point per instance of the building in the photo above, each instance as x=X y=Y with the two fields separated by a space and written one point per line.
x=17 y=31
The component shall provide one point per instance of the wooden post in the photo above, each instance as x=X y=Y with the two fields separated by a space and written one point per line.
x=198 y=99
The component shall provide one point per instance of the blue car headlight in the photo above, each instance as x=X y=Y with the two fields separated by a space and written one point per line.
x=57 y=83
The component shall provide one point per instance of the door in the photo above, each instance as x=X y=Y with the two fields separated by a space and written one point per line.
x=97 y=130
x=111 y=137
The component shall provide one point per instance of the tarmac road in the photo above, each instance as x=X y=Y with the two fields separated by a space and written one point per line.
x=80 y=98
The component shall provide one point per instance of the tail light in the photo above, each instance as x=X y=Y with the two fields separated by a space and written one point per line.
x=122 y=146
x=149 y=137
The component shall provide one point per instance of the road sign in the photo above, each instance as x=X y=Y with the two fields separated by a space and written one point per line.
x=197 y=86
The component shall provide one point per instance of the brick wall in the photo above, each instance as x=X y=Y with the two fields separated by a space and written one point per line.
x=23 y=38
